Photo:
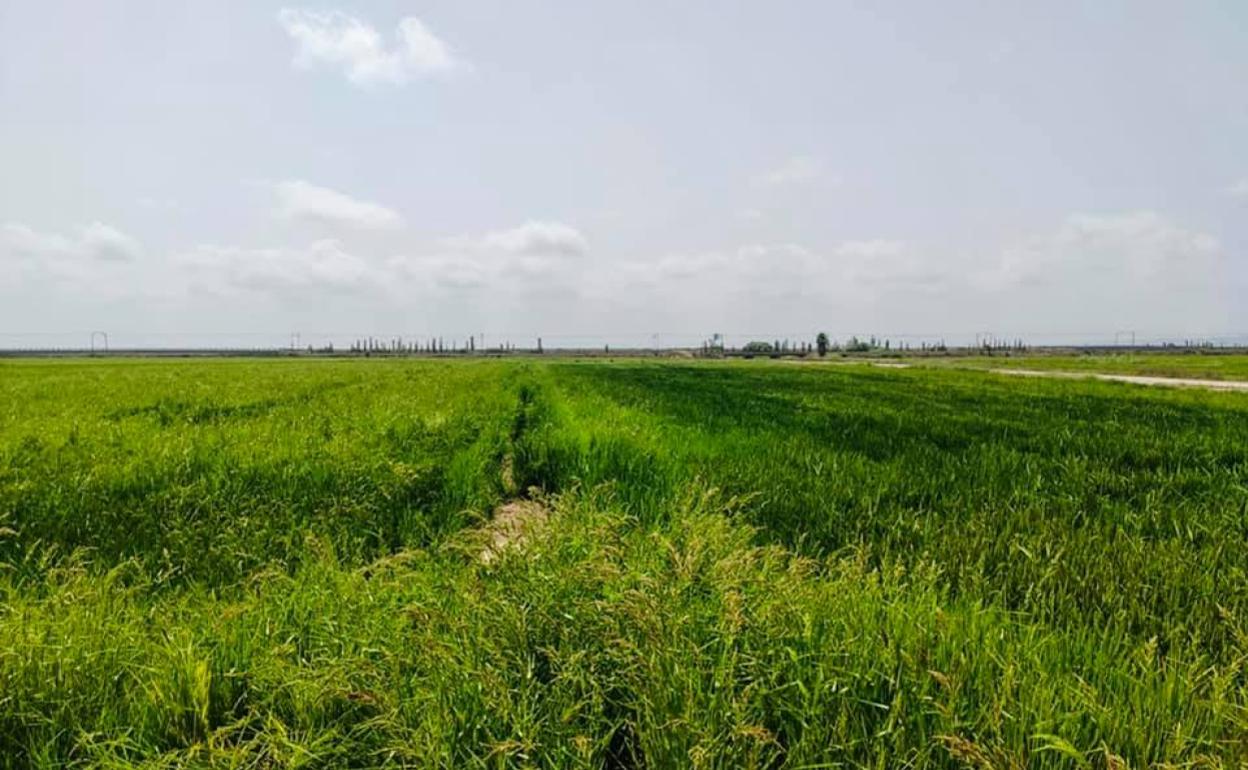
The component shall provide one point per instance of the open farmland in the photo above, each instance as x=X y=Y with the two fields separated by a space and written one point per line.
x=279 y=564
x=1205 y=366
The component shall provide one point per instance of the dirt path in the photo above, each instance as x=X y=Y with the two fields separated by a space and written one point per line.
x=1134 y=379
x=512 y=523
x=515 y=519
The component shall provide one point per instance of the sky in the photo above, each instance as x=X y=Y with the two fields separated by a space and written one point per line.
x=203 y=173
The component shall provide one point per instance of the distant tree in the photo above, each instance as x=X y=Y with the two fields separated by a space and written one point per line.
x=821 y=342
x=758 y=346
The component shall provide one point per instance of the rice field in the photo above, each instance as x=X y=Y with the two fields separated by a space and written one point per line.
x=279 y=563
x=1213 y=365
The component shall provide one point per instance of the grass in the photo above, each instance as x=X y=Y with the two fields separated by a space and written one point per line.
x=210 y=471
x=273 y=564
x=1208 y=366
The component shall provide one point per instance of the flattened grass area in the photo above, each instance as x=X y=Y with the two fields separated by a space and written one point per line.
x=1191 y=365
x=273 y=564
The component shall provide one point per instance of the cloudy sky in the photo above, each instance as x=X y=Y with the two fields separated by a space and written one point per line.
x=201 y=172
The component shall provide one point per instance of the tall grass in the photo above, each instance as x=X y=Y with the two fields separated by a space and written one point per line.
x=605 y=643
x=209 y=471
x=1082 y=504
x=241 y=564
x=1210 y=364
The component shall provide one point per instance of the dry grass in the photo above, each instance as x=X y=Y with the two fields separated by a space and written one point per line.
x=512 y=524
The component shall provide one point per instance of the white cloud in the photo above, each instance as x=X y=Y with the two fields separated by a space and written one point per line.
x=321 y=266
x=883 y=264
x=1238 y=188
x=297 y=199
x=96 y=241
x=339 y=39
x=533 y=256
x=1092 y=274
x=21 y=242
x=1110 y=250
x=1089 y=273
x=533 y=238
x=795 y=170
x=443 y=272
x=802 y=268
x=753 y=276
x=1098 y=272
x=108 y=243
x=103 y=261
x=99 y=262
x=757 y=269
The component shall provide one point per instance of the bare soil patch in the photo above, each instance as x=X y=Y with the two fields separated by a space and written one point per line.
x=512 y=524
x=1134 y=379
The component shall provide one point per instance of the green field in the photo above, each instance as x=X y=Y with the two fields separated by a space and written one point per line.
x=1195 y=365
x=262 y=564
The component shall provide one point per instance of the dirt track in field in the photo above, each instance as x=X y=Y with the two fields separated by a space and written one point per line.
x=1132 y=379
x=512 y=523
